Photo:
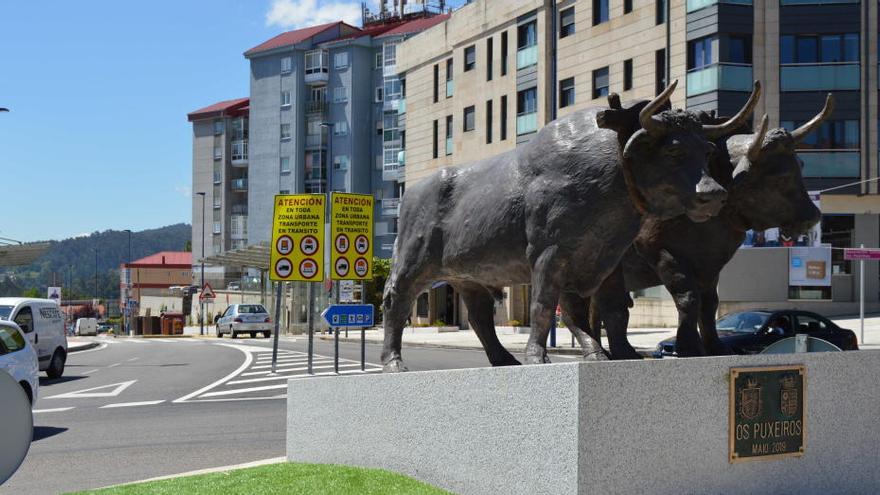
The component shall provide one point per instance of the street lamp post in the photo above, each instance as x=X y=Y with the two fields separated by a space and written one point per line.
x=202 y=272
x=96 y=276
x=329 y=186
x=126 y=322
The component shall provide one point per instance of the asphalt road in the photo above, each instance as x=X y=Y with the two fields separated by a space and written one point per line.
x=136 y=409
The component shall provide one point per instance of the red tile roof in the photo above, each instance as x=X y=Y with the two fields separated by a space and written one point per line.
x=175 y=258
x=293 y=37
x=220 y=108
x=416 y=25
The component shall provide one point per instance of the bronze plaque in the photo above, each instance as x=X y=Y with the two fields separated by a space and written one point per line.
x=767 y=412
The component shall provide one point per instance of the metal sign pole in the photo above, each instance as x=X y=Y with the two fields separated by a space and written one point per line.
x=311 y=317
x=277 y=317
x=363 y=349
x=336 y=351
x=862 y=297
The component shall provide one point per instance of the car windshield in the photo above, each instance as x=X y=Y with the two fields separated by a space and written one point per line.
x=251 y=308
x=745 y=322
x=5 y=311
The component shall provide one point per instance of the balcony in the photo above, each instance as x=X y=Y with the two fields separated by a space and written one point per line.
x=694 y=5
x=316 y=107
x=391 y=104
x=240 y=152
x=390 y=207
x=315 y=141
x=526 y=123
x=218 y=177
x=240 y=209
x=450 y=88
x=723 y=77
x=820 y=77
x=218 y=153
x=401 y=105
x=831 y=164
x=401 y=158
x=526 y=57
x=239 y=185
x=238 y=227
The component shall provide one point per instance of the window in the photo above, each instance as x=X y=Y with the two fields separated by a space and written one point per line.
x=829 y=48
x=488 y=121
x=660 y=13
x=436 y=83
x=489 y=60
x=218 y=127
x=25 y=320
x=600 y=82
x=659 y=71
x=503 y=126
x=340 y=162
x=627 y=6
x=526 y=111
x=340 y=60
x=526 y=35
x=449 y=84
x=284 y=191
x=218 y=152
x=378 y=94
x=218 y=172
x=285 y=165
x=285 y=131
x=600 y=11
x=393 y=88
x=285 y=98
x=739 y=49
x=566 y=22
x=340 y=128
x=470 y=58
x=391 y=127
x=504 y=53
x=448 y=135
x=566 y=92
x=435 y=151
x=468 y=120
x=340 y=94
x=10 y=340
x=700 y=53
x=831 y=134
x=627 y=74
x=379 y=60
x=316 y=61
x=389 y=54
x=286 y=65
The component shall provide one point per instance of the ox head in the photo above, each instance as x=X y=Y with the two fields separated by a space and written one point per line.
x=768 y=188
x=667 y=160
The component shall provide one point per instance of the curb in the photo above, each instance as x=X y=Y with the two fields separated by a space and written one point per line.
x=83 y=347
x=263 y=462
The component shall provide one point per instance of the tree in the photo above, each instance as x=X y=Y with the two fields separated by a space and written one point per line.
x=373 y=289
x=188 y=247
x=32 y=292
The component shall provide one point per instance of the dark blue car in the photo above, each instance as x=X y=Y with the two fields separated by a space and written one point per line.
x=750 y=332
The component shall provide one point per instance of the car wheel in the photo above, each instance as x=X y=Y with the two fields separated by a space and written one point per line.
x=56 y=366
x=27 y=390
x=219 y=333
x=267 y=334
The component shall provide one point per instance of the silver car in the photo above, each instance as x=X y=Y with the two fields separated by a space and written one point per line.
x=244 y=318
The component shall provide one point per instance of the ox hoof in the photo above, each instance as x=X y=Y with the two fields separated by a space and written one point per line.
x=596 y=356
x=542 y=359
x=720 y=349
x=625 y=353
x=394 y=366
x=507 y=361
x=690 y=350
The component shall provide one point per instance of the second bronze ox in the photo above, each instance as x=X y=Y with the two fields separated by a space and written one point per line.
x=599 y=202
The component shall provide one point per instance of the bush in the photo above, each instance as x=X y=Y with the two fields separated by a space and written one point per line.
x=438 y=323
x=514 y=323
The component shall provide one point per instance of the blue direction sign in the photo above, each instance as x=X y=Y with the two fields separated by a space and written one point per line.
x=349 y=315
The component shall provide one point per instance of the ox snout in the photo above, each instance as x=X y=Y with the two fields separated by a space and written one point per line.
x=708 y=201
x=808 y=216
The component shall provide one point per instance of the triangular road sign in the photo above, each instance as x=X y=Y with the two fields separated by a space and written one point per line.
x=207 y=292
x=90 y=392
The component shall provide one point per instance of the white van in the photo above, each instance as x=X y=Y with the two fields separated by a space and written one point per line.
x=86 y=326
x=43 y=323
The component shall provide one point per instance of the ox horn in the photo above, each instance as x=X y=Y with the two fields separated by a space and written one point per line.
x=801 y=132
x=646 y=116
x=735 y=122
x=758 y=141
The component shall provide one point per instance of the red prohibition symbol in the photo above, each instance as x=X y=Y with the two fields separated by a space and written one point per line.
x=309 y=245
x=341 y=267
x=342 y=243
x=361 y=244
x=308 y=268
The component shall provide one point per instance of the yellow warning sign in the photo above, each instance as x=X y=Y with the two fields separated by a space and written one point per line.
x=298 y=238
x=351 y=235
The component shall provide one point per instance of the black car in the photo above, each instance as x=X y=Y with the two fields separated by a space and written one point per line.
x=750 y=332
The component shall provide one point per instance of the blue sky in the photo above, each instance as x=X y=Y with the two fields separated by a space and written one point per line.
x=97 y=136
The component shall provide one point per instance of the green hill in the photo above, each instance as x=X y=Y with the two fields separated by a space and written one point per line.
x=74 y=259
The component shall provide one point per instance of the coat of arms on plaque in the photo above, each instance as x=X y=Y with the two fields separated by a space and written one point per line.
x=788 y=395
x=750 y=400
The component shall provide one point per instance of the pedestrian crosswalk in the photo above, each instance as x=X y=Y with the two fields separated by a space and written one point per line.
x=255 y=379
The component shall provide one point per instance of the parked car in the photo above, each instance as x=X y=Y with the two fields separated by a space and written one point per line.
x=104 y=327
x=42 y=322
x=233 y=286
x=18 y=358
x=750 y=332
x=86 y=326
x=244 y=318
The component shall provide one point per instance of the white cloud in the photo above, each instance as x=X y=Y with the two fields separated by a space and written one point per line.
x=295 y=14
x=185 y=191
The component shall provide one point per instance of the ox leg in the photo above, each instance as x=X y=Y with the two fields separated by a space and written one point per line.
x=403 y=286
x=545 y=296
x=613 y=302
x=595 y=327
x=574 y=315
x=480 y=305
x=681 y=283
x=708 y=310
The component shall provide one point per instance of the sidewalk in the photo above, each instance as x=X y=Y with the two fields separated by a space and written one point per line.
x=77 y=344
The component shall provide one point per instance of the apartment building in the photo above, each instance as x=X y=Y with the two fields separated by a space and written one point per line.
x=220 y=171
x=486 y=79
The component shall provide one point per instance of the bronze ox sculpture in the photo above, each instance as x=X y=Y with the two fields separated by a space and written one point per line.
x=558 y=212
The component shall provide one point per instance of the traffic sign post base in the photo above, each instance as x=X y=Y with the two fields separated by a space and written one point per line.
x=277 y=325
x=363 y=349
x=311 y=317
x=336 y=351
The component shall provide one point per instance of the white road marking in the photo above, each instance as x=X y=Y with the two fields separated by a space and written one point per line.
x=282 y=377
x=133 y=359
x=90 y=392
x=247 y=362
x=89 y=372
x=57 y=409
x=244 y=390
x=100 y=347
x=269 y=366
x=132 y=404
x=114 y=365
